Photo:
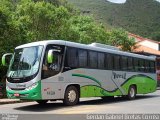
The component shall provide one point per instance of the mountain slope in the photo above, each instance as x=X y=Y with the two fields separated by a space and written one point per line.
x=141 y=17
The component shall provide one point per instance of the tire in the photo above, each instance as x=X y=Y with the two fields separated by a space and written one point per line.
x=132 y=93
x=71 y=96
x=42 y=102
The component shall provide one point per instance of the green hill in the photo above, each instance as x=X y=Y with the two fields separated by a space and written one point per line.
x=141 y=17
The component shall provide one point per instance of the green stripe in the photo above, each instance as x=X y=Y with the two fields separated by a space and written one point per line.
x=144 y=85
x=89 y=77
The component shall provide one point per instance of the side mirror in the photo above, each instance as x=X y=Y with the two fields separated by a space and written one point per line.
x=6 y=59
x=50 y=56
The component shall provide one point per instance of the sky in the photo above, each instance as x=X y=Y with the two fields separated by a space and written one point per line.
x=122 y=1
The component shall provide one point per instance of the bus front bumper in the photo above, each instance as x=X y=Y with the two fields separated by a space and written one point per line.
x=32 y=94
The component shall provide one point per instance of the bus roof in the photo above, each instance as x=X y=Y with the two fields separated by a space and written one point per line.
x=85 y=46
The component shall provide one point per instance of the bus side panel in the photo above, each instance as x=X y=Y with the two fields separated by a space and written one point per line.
x=143 y=84
x=51 y=88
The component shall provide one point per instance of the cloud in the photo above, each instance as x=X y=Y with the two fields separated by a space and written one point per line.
x=118 y=1
x=123 y=1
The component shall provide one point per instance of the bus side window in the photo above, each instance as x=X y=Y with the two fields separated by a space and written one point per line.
x=101 y=60
x=109 y=61
x=117 y=62
x=51 y=69
x=152 y=66
x=82 y=58
x=130 y=64
x=141 y=65
x=92 y=59
x=72 y=57
x=146 y=66
x=135 y=64
x=124 y=63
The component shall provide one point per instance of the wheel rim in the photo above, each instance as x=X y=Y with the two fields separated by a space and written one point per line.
x=72 y=96
x=132 y=92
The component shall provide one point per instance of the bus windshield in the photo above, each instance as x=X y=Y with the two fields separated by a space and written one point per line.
x=25 y=62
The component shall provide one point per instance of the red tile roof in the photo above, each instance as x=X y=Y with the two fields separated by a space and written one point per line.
x=145 y=49
x=140 y=39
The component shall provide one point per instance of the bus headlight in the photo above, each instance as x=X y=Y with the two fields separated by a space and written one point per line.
x=34 y=85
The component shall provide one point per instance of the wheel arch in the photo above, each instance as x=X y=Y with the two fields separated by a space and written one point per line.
x=72 y=84
x=134 y=86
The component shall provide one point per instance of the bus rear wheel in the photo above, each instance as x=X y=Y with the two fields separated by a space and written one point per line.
x=71 y=96
x=132 y=92
x=42 y=102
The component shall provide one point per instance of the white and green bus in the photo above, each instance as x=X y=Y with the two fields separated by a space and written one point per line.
x=62 y=70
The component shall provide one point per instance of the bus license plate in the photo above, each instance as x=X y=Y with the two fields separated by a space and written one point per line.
x=16 y=95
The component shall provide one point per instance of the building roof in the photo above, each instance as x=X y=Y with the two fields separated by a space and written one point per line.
x=140 y=39
x=143 y=49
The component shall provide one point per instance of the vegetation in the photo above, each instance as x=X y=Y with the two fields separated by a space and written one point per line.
x=23 y=21
x=136 y=16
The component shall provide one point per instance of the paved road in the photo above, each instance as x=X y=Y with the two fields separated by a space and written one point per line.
x=143 y=104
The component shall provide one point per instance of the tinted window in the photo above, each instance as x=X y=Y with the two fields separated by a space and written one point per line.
x=117 y=62
x=82 y=57
x=101 y=60
x=130 y=64
x=109 y=61
x=72 y=57
x=141 y=65
x=93 y=59
x=152 y=66
x=124 y=63
x=135 y=63
x=146 y=65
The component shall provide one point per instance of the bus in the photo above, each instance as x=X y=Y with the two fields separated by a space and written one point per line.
x=61 y=70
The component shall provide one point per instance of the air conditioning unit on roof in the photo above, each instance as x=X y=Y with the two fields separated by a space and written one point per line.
x=104 y=46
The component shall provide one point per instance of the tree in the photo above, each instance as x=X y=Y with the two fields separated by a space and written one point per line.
x=41 y=20
x=119 y=38
x=84 y=29
x=156 y=36
x=23 y=21
x=10 y=34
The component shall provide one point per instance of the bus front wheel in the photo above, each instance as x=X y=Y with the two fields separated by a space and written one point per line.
x=71 y=96
x=131 y=92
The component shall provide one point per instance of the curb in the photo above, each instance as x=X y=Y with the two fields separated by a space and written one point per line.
x=12 y=102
